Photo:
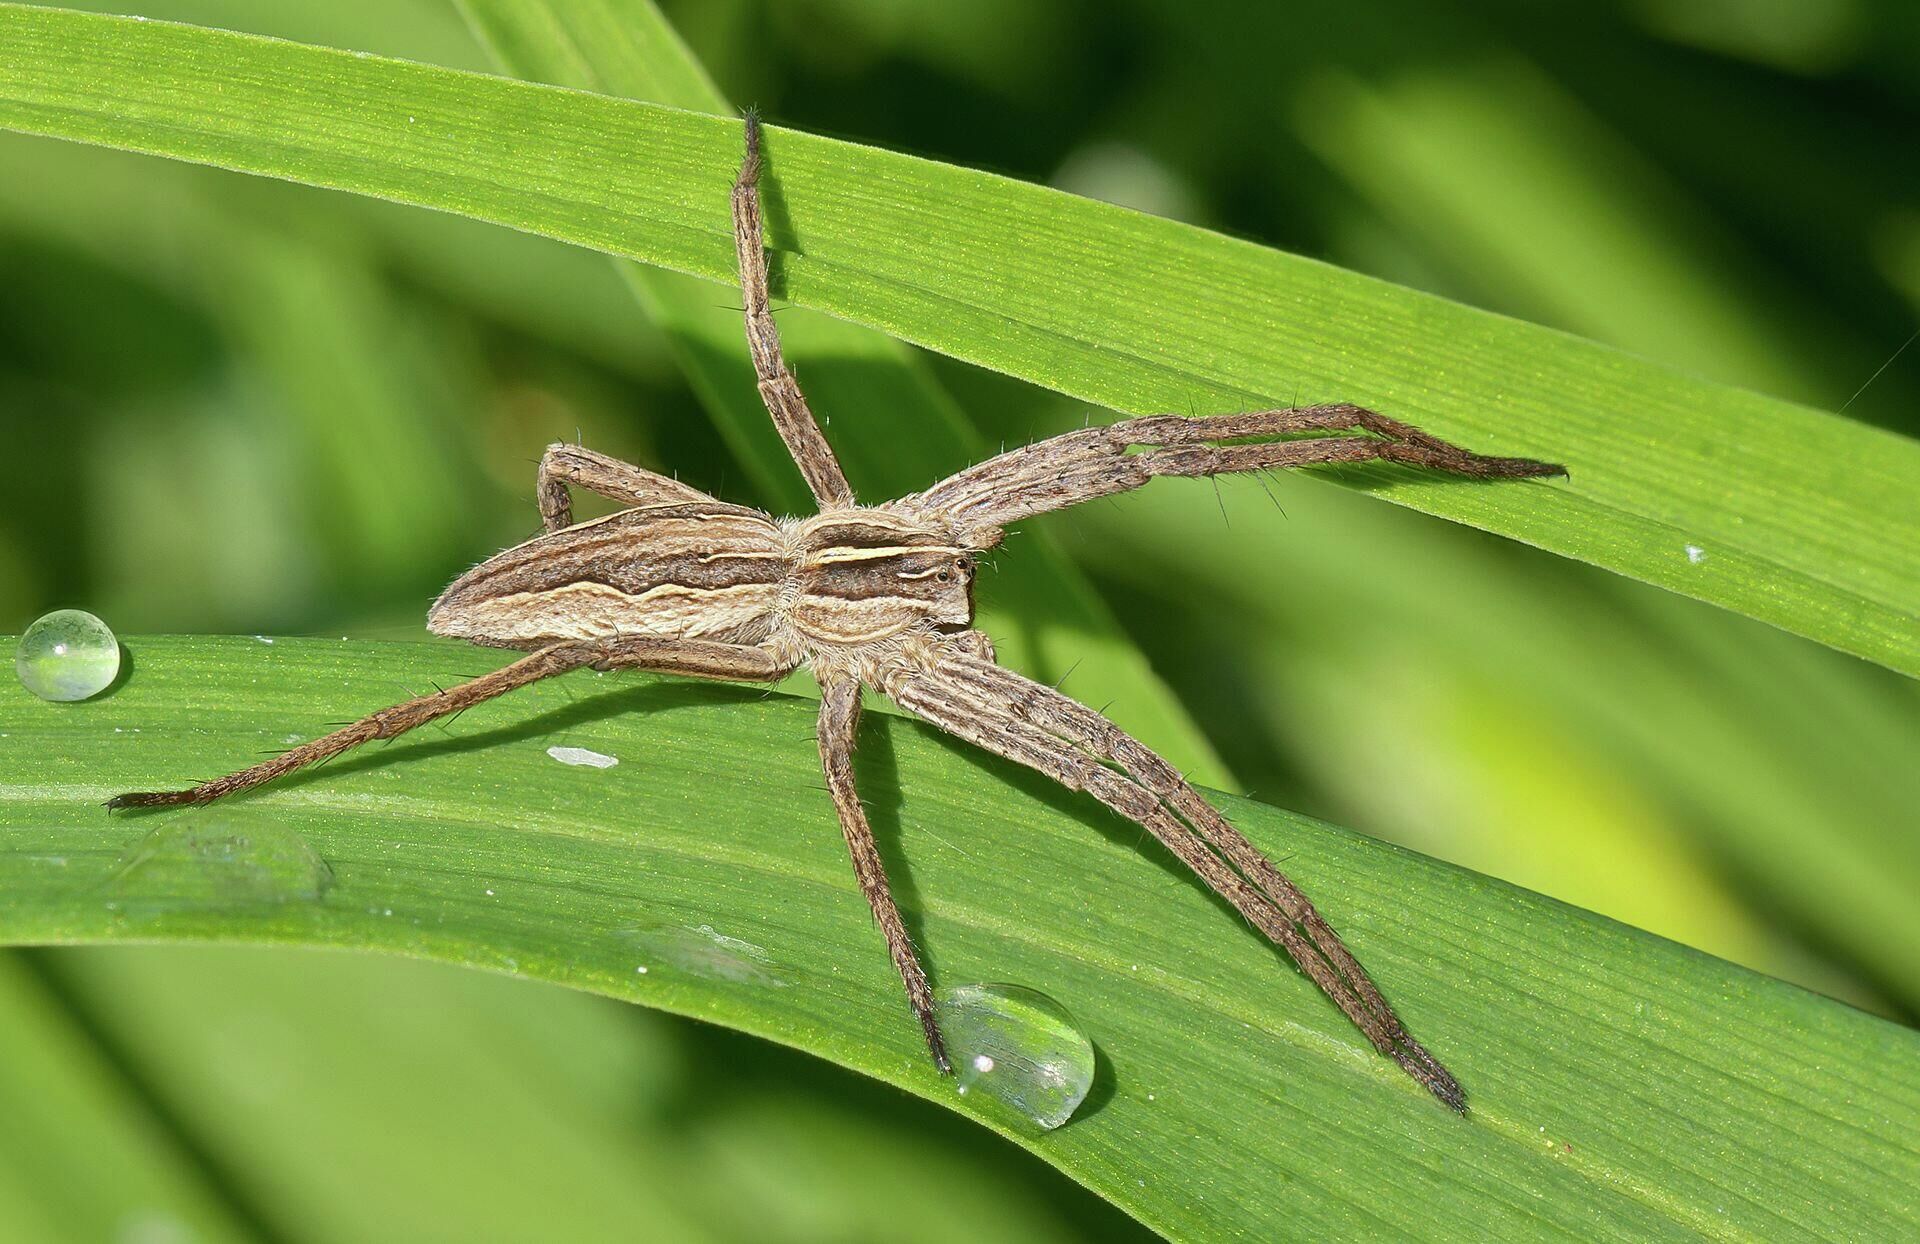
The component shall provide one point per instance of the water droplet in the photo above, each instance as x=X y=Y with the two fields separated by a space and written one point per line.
x=67 y=655
x=221 y=859
x=700 y=951
x=1018 y=1051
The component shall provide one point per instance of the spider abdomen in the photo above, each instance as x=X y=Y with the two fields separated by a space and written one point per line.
x=700 y=570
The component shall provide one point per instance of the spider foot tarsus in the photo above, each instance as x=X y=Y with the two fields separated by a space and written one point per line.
x=750 y=166
x=153 y=799
x=1424 y=1067
x=936 y=1043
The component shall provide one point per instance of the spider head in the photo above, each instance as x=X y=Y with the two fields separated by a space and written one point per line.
x=865 y=576
x=949 y=600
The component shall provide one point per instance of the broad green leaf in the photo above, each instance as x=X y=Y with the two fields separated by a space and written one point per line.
x=1621 y=1085
x=1794 y=517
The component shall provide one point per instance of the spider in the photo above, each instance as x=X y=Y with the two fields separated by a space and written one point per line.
x=881 y=597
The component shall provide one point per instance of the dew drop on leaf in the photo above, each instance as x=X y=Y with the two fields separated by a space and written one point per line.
x=1016 y=1051
x=225 y=859
x=704 y=952
x=67 y=655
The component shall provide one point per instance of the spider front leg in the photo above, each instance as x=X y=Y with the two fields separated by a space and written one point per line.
x=695 y=658
x=564 y=466
x=778 y=389
x=839 y=718
x=1097 y=462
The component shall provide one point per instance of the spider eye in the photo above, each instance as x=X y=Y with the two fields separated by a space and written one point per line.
x=942 y=577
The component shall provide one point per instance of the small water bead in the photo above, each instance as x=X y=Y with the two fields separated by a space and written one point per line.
x=1017 y=1051
x=704 y=952
x=222 y=859
x=67 y=655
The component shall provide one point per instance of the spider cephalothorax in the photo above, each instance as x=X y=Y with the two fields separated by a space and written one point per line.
x=682 y=583
x=867 y=576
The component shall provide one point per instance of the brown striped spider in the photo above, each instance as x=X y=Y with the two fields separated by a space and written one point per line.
x=882 y=597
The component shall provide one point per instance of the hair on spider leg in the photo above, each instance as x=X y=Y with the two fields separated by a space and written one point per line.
x=1260 y=477
x=948 y=845
x=1876 y=375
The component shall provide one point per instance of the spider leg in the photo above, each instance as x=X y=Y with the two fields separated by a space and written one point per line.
x=1036 y=726
x=1058 y=714
x=778 y=389
x=1097 y=462
x=839 y=718
x=565 y=465
x=690 y=657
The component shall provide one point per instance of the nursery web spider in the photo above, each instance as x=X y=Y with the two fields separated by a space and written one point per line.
x=881 y=597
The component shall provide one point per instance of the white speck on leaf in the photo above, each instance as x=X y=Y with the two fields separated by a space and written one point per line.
x=581 y=756
x=263 y=639
x=1696 y=554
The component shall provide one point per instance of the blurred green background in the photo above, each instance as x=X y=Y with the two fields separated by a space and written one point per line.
x=231 y=405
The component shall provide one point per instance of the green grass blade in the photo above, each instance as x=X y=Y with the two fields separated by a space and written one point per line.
x=1773 y=510
x=529 y=1113
x=1791 y=773
x=1622 y=1086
